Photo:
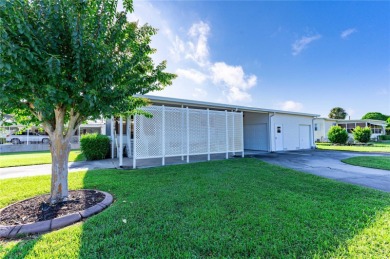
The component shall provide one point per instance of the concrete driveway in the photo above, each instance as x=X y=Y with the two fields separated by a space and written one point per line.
x=327 y=164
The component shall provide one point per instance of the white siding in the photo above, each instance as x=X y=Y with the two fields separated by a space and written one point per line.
x=291 y=130
x=323 y=126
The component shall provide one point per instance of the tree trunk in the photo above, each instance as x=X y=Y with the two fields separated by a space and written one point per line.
x=60 y=137
x=60 y=148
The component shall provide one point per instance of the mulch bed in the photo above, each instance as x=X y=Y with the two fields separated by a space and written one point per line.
x=37 y=209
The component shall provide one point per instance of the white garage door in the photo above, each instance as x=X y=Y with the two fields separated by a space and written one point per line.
x=256 y=136
x=304 y=137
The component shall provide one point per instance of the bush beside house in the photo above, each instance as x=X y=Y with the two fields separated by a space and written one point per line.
x=362 y=135
x=337 y=135
x=95 y=146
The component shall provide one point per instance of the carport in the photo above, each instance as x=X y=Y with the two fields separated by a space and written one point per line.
x=256 y=131
x=181 y=128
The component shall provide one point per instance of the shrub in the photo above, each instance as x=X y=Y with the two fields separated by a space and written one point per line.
x=384 y=137
x=362 y=135
x=95 y=146
x=338 y=135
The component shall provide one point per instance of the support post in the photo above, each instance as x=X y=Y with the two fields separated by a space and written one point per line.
x=28 y=136
x=128 y=133
x=242 y=134
x=163 y=135
x=234 y=135
x=227 y=134
x=120 y=141
x=112 y=137
x=135 y=141
x=188 y=135
x=208 y=134
x=182 y=133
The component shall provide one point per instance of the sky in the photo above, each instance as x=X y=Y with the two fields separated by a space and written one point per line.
x=302 y=56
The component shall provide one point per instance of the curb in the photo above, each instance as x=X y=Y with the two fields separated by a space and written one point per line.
x=57 y=223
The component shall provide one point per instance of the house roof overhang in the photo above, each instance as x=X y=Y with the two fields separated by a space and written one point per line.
x=220 y=106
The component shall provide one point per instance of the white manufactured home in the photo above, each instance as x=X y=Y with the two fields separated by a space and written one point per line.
x=322 y=126
x=186 y=128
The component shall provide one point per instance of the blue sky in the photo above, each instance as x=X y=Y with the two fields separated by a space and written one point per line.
x=298 y=56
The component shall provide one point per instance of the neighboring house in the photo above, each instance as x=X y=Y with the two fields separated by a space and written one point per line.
x=322 y=126
x=20 y=134
x=187 y=128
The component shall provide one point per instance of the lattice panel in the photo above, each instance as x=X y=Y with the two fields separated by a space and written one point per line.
x=175 y=131
x=230 y=131
x=238 y=132
x=165 y=134
x=148 y=133
x=217 y=132
x=198 y=131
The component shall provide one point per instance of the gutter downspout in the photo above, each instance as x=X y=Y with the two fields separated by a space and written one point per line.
x=271 y=137
x=313 y=146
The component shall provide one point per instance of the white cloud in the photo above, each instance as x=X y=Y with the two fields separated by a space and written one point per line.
x=187 y=52
x=198 y=48
x=199 y=93
x=177 y=48
x=192 y=74
x=234 y=78
x=345 y=34
x=291 y=106
x=303 y=42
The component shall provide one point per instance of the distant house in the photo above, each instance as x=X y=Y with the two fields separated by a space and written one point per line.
x=9 y=127
x=322 y=126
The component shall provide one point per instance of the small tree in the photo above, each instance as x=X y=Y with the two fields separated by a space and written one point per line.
x=337 y=135
x=362 y=135
x=65 y=61
x=337 y=113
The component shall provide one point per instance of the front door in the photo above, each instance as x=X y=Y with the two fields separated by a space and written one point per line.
x=279 y=137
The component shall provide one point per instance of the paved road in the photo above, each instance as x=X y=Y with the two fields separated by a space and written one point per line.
x=327 y=164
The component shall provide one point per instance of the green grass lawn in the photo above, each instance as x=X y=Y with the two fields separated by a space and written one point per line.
x=231 y=208
x=380 y=162
x=34 y=158
x=376 y=147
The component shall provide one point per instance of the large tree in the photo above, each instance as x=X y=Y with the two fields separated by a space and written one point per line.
x=337 y=113
x=65 y=61
x=375 y=116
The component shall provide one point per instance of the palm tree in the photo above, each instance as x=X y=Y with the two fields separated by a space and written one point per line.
x=337 y=113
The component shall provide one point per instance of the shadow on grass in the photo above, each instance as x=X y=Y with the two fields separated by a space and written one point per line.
x=21 y=250
x=80 y=157
x=234 y=208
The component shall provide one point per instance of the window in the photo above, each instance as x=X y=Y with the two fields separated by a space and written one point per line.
x=375 y=129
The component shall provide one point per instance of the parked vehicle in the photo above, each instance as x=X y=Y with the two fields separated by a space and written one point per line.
x=24 y=137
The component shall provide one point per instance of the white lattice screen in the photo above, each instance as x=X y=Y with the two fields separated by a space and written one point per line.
x=183 y=132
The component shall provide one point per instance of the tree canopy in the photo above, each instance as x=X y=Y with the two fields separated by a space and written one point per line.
x=375 y=116
x=337 y=113
x=80 y=56
x=64 y=61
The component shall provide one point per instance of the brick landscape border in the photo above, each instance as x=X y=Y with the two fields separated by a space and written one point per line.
x=57 y=223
